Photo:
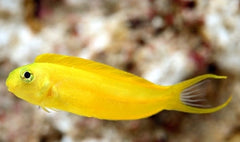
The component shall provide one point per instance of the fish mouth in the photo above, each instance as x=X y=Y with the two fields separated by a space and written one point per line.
x=10 y=90
x=9 y=84
x=11 y=93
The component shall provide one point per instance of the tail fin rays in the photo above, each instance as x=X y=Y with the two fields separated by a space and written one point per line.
x=190 y=95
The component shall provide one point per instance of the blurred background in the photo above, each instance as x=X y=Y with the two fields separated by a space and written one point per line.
x=164 y=41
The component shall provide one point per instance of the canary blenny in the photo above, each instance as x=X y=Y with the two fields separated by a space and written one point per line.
x=93 y=89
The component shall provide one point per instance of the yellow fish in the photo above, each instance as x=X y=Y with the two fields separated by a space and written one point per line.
x=92 y=89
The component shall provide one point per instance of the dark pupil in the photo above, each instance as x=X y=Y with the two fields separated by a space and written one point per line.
x=27 y=74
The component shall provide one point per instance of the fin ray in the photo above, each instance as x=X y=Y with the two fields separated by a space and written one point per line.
x=192 y=94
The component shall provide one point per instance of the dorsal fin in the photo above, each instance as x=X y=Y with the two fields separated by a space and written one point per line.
x=70 y=61
x=88 y=65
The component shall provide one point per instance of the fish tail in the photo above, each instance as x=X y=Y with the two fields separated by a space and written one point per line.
x=190 y=95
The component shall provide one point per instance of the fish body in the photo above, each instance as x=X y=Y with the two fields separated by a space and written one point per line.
x=93 y=89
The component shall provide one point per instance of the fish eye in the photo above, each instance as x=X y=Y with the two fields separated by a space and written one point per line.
x=27 y=76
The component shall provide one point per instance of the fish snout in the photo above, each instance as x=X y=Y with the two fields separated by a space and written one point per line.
x=10 y=83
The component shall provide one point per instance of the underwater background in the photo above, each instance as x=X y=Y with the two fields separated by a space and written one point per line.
x=164 y=41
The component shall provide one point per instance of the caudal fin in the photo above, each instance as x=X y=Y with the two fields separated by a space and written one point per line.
x=189 y=96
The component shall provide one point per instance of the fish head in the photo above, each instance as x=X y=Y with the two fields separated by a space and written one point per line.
x=28 y=83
